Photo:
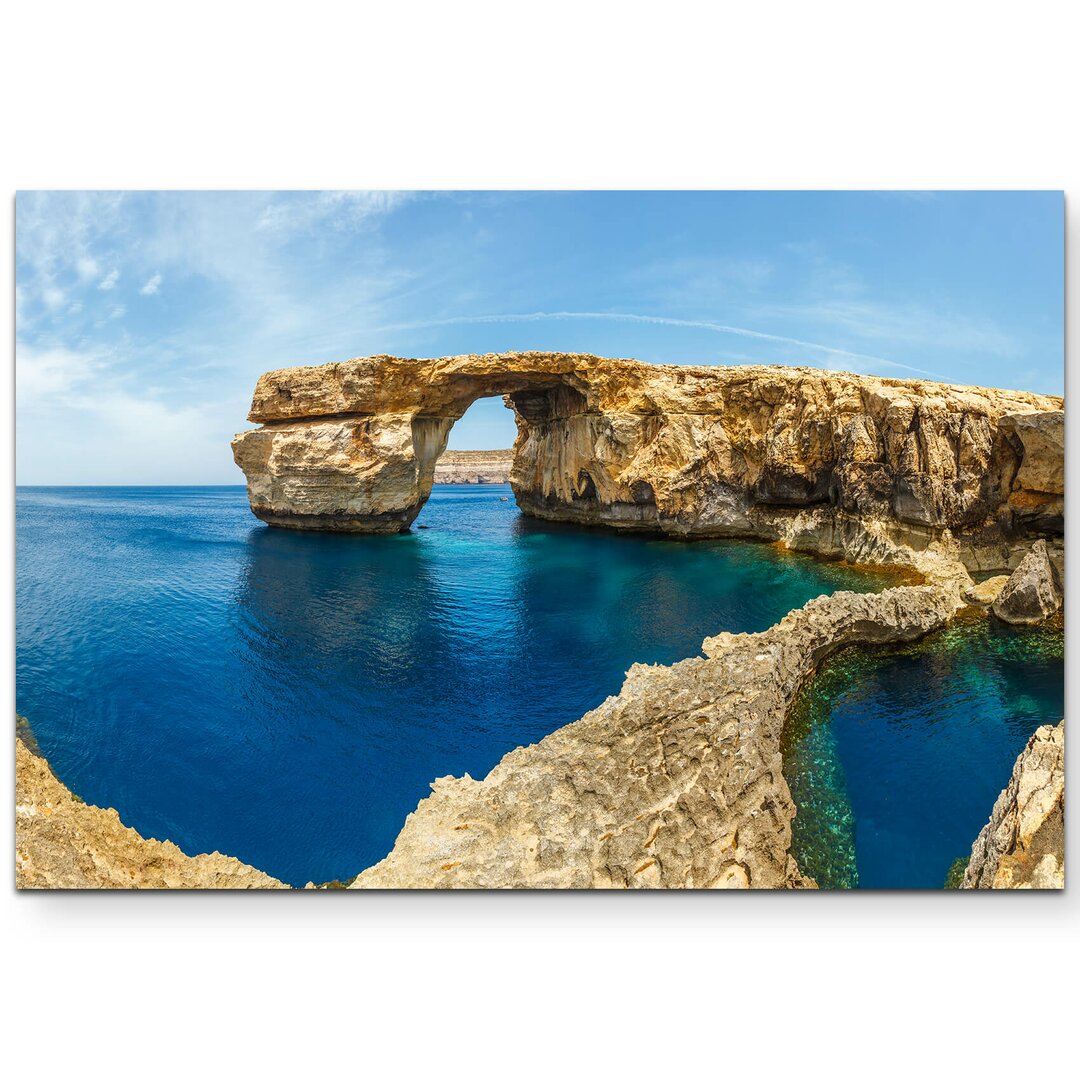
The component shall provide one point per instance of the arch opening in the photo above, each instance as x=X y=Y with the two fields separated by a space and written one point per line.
x=538 y=404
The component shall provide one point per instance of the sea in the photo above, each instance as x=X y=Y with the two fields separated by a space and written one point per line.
x=288 y=697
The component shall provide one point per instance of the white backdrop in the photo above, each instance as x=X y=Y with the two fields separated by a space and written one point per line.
x=555 y=95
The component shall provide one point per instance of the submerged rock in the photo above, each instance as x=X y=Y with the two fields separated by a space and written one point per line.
x=1022 y=846
x=61 y=843
x=1033 y=592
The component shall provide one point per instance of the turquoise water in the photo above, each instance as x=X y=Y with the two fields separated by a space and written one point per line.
x=895 y=756
x=287 y=697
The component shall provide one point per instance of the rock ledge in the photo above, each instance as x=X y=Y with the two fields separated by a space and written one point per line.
x=676 y=782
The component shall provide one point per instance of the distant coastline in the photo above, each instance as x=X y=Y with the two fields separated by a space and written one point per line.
x=474 y=467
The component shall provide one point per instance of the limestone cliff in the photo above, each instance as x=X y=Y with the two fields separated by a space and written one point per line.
x=474 y=467
x=688 y=451
x=61 y=843
x=1022 y=846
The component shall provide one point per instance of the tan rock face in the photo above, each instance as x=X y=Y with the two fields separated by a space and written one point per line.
x=676 y=782
x=1033 y=591
x=986 y=592
x=61 y=843
x=1022 y=846
x=687 y=451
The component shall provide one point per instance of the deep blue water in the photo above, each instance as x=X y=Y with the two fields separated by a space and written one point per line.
x=287 y=697
x=895 y=756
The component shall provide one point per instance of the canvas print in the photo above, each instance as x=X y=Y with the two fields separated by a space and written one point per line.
x=542 y=540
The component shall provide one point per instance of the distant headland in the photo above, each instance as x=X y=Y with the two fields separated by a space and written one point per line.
x=474 y=467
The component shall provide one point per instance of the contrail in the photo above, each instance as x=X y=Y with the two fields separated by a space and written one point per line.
x=661 y=320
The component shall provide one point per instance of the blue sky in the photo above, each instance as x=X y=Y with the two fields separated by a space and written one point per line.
x=144 y=319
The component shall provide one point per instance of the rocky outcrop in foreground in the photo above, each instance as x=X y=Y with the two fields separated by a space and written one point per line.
x=688 y=451
x=1033 y=591
x=675 y=782
x=61 y=843
x=1022 y=846
x=474 y=467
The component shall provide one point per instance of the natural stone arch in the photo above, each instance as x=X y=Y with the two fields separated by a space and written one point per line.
x=353 y=446
x=804 y=456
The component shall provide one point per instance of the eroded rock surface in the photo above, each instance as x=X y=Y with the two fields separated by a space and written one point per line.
x=61 y=843
x=1033 y=591
x=688 y=451
x=1022 y=846
x=986 y=592
x=675 y=782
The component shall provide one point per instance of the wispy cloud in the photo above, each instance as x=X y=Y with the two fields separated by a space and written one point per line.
x=48 y=376
x=246 y=299
x=803 y=286
x=336 y=209
x=661 y=320
x=901 y=324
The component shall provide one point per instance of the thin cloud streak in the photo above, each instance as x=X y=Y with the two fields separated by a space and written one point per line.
x=660 y=320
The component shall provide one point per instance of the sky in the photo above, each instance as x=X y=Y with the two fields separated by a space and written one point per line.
x=143 y=319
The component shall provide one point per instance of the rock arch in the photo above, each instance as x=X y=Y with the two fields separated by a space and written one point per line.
x=353 y=446
x=806 y=456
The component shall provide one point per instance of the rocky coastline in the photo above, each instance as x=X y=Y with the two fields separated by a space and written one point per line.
x=62 y=843
x=1022 y=846
x=677 y=780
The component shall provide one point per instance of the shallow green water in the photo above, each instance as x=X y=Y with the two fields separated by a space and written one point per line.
x=895 y=756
